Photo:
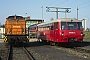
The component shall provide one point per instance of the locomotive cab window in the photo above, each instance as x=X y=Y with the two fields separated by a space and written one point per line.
x=10 y=18
x=19 y=18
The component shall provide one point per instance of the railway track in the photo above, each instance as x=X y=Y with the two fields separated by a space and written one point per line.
x=82 y=50
x=75 y=47
x=80 y=47
x=23 y=51
x=9 y=56
x=79 y=51
x=85 y=53
x=28 y=54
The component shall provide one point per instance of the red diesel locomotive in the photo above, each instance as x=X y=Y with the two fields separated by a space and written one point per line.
x=61 y=30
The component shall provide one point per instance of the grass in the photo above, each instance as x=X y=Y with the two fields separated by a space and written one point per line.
x=87 y=35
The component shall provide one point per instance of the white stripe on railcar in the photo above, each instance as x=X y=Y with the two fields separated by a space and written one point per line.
x=61 y=20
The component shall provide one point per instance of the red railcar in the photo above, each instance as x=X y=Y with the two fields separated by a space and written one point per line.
x=33 y=30
x=61 y=30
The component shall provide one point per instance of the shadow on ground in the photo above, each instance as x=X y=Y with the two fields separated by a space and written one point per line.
x=71 y=45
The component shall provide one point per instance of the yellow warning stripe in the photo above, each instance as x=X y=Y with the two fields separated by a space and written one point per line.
x=28 y=37
x=5 y=38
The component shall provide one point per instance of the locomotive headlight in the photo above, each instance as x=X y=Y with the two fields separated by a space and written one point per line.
x=10 y=32
x=23 y=32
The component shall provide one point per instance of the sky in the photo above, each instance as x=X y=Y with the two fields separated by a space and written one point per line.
x=34 y=10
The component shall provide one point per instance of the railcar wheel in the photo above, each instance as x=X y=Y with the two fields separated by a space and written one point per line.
x=52 y=43
x=44 y=41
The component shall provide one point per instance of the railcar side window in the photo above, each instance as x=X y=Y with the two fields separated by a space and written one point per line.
x=63 y=25
x=51 y=28
x=56 y=26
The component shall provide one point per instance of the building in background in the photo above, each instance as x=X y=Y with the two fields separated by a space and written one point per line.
x=32 y=22
x=2 y=32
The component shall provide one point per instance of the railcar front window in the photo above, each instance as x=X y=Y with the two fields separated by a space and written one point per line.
x=79 y=25
x=72 y=25
x=63 y=25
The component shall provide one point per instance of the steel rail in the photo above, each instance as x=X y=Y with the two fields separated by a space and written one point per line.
x=9 y=56
x=81 y=50
x=28 y=54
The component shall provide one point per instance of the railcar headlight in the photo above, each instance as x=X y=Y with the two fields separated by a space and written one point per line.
x=62 y=33
x=81 y=34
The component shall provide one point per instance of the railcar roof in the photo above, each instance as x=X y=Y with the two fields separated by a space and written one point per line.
x=62 y=20
x=33 y=26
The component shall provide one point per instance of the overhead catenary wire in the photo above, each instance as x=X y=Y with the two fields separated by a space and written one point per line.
x=72 y=2
x=53 y=2
x=81 y=4
x=84 y=6
x=62 y=2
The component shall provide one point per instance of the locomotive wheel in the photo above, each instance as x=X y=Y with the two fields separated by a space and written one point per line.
x=44 y=41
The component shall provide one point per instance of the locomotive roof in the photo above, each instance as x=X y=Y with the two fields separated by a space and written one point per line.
x=62 y=20
x=12 y=17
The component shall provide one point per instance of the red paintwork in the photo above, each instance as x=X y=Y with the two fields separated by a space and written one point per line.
x=33 y=29
x=56 y=35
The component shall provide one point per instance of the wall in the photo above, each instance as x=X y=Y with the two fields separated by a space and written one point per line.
x=2 y=31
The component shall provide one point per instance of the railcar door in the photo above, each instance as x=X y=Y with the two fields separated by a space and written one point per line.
x=56 y=32
x=51 y=32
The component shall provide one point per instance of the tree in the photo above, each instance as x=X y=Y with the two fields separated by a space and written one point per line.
x=88 y=29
